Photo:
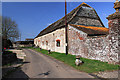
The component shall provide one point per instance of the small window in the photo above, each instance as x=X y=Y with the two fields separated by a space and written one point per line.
x=42 y=42
x=58 y=43
x=53 y=34
x=46 y=42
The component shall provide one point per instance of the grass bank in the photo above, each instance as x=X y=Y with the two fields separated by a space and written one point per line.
x=89 y=66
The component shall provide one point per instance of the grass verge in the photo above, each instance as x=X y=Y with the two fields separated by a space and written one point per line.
x=89 y=66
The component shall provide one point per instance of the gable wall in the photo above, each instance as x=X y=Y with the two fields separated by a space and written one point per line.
x=75 y=40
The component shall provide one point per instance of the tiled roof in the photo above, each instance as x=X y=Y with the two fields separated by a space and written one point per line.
x=82 y=11
x=92 y=30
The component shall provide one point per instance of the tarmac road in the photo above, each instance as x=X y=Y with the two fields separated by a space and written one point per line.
x=38 y=65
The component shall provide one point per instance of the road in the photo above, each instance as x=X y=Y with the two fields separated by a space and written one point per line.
x=38 y=65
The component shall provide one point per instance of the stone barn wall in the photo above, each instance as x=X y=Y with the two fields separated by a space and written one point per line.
x=99 y=49
x=48 y=41
x=114 y=37
x=75 y=41
x=96 y=47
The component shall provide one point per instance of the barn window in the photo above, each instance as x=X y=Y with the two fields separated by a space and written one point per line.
x=53 y=34
x=58 y=43
x=46 y=42
x=42 y=42
x=36 y=41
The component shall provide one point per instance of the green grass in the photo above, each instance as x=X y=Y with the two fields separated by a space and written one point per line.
x=26 y=47
x=89 y=66
x=7 y=52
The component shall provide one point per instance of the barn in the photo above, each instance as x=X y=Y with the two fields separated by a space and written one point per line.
x=86 y=35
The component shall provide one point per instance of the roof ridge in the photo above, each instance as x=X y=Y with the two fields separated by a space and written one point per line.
x=72 y=11
x=93 y=9
x=70 y=16
x=60 y=19
x=85 y=4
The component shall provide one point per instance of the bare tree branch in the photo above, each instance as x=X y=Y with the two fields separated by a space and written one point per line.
x=9 y=29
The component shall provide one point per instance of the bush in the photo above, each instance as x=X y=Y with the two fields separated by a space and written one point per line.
x=8 y=57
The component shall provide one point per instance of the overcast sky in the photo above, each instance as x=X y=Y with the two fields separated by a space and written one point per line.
x=32 y=17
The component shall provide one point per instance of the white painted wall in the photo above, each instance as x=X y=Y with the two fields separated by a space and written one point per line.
x=51 y=38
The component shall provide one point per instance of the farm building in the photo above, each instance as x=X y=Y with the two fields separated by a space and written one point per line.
x=86 y=35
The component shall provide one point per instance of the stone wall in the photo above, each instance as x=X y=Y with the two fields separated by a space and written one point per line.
x=103 y=48
x=48 y=41
x=96 y=47
x=75 y=41
x=99 y=49
x=114 y=36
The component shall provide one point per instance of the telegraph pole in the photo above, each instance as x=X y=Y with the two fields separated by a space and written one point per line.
x=66 y=28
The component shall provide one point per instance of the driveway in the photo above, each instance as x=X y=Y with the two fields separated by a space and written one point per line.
x=38 y=65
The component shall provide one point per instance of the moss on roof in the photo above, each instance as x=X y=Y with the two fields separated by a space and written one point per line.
x=91 y=29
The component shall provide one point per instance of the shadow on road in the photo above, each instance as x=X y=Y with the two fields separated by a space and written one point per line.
x=14 y=71
x=25 y=62
x=46 y=73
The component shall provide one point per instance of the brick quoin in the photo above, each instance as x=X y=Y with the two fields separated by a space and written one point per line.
x=81 y=38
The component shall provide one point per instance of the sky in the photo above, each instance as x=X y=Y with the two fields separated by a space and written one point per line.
x=33 y=17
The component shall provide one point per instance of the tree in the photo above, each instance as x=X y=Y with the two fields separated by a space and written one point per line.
x=10 y=32
x=9 y=29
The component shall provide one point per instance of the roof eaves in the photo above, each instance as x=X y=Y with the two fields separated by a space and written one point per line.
x=91 y=29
